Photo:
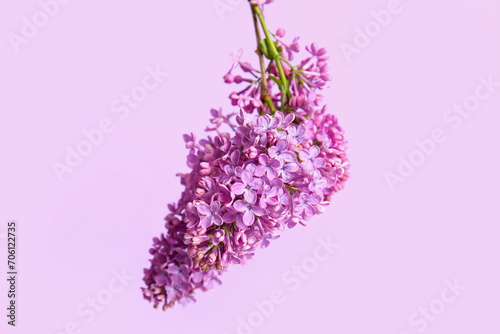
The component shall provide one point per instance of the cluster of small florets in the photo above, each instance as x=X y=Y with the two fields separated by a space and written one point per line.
x=271 y=171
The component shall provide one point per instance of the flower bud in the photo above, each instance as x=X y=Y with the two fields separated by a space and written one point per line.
x=229 y=78
x=199 y=192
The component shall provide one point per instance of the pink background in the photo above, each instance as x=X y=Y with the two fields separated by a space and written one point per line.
x=396 y=247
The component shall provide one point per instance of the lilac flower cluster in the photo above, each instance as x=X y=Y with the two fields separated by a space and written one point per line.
x=277 y=166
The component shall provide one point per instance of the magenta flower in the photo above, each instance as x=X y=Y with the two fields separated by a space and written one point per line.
x=296 y=134
x=266 y=123
x=318 y=183
x=280 y=151
x=268 y=196
x=287 y=169
x=310 y=159
x=267 y=166
x=266 y=241
x=249 y=210
x=306 y=208
x=225 y=196
x=284 y=121
x=209 y=214
x=218 y=237
x=247 y=186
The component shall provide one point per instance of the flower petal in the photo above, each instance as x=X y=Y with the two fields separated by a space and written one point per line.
x=314 y=151
x=215 y=207
x=271 y=173
x=282 y=145
x=292 y=167
x=238 y=188
x=275 y=163
x=248 y=218
x=319 y=162
x=256 y=184
x=272 y=151
x=303 y=155
x=203 y=209
x=206 y=221
x=258 y=210
x=260 y=170
x=273 y=192
x=287 y=156
x=250 y=196
x=241 y=206
x=263 y=159
x=217 y=220
x=246 y=177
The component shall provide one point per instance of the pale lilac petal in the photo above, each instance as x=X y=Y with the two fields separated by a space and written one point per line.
x=277 y=183
x=272 y=173
x=285 y=199
x=230 y=217
x=256 y=184
x=308 y=165
x=215 y=207
x=289 y=119
x=287 y=156
x=239 y=222
x=274 y=123
x=287 y=176
x=322 y=183
x=275 y=163
x=313 y=152
x=273 y=192
x=238 y=188
x=258 y=211
x=217 y=220
x=260 y=170
x=292 y=167
x=204 y=209
x=250 y=196
x=246 y=177
x=248 y=218
x=300 y=130
x=263 y=122
x=319 y=162
x=240 y=206
x=263 y=159
x=206 y=221
x=303 y=155
x=315 y=199
x=282 y=145
x=263 y=139
x=250 y=168
x=298 y=210
x=309 y=210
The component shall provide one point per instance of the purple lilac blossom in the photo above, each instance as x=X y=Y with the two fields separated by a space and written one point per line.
x=270 y=169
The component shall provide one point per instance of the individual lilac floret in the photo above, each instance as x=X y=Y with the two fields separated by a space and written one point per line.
x=267 y=166
x=249 y=210
x=280 y=152
x=307 y=206
x=310 y=159
x=247 y=186
x=210 y=214
x=268 y=196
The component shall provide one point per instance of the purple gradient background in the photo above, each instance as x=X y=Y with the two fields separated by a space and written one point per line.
x=396 y=247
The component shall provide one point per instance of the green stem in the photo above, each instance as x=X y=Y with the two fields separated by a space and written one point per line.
x=273 y=53
x=264 y=92
x=271 y=104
